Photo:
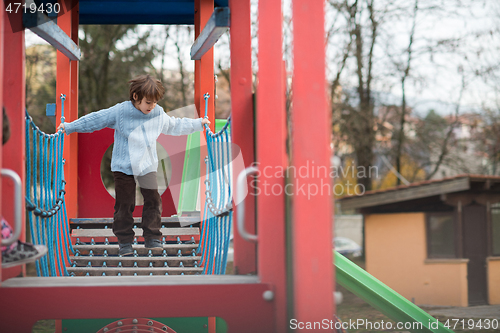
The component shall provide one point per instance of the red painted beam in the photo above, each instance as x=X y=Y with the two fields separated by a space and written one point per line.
x=204 y=83
x=67 y=84
x=73 y=107
x=64 y=85
x=242 y=123
x=2 y=19
x=197 y=31
x=313 y=274
x=212 y=325
x=13 y=156
x=271 y=145
x=240 y=305
x=206 y=64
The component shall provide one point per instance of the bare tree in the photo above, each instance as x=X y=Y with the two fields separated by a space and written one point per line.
x=444 y=147
x=164 y=52
x=181 y=66
x=105 y=69
x=406 y=73
x=490 y=139
x=357 y=119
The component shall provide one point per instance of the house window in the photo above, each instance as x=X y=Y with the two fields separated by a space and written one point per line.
x=441 y=235
x=495 y=228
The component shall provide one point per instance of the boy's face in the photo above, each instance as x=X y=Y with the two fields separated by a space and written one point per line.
x=146 y=105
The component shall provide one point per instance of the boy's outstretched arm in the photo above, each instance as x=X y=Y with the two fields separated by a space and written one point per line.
x=183 y=126
x=91 y=122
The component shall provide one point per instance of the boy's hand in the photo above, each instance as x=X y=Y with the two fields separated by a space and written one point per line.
x=205 y=121
x=61 y=126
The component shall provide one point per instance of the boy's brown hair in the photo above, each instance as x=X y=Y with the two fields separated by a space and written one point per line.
x=146 y=86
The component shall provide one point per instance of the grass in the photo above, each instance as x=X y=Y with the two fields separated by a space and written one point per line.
x=44 y=326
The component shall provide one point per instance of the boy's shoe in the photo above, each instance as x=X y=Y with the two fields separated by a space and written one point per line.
x=125 y=249
x=22 y=253
x=152 y=243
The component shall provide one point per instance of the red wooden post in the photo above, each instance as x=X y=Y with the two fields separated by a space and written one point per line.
x=204 y=82
x=271 y=144
x=313 y=274
x=58 y=324
x=67 y=77
x=14 y=87
x=197 y=30
x=207 y=66
x=67 y=84
x=197 y=93
x=2 y=14
x=242 y=123
x=212 y=325
x=73 y=107
x=204 y=76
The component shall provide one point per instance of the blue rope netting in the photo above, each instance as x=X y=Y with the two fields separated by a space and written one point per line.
x=218 y=215
x=45 y=189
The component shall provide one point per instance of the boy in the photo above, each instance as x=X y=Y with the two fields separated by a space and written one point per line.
x=137 y=124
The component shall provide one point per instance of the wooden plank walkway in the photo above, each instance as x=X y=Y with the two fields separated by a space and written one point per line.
x=97 y=251
x=182 y=220
x=113 y=271
x=112 y=249
x=136 y=261
x=170 y=235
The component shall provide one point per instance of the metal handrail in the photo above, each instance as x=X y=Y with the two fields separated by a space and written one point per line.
x=18 y=224
x=240 y=190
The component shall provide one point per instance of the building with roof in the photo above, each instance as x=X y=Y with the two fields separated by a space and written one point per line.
x=435 y=242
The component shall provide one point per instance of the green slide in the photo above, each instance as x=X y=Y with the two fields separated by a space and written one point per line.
x=190 y=175
x=383 y=298
x=191 y=171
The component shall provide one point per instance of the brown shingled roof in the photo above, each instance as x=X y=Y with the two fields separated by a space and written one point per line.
x=415 y=190
x=431 y=181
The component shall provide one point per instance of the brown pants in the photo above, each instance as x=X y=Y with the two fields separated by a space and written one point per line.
x=123 y=221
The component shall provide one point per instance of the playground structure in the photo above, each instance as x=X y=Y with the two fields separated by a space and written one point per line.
x=282 y=254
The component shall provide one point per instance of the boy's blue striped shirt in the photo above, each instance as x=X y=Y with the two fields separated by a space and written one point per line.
x=134 y=151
